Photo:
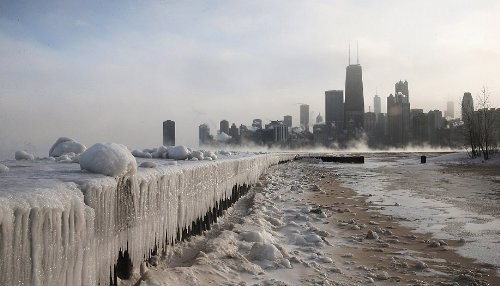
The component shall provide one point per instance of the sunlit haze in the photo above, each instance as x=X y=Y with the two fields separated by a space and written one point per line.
x=114 y=70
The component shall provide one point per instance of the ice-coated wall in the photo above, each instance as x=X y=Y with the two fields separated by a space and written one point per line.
x=62 y=226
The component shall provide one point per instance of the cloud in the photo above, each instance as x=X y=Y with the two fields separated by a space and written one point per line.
x=114 y=72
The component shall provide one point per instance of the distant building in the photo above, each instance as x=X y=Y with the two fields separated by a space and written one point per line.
x=467 y=106
x=277 y=132
x=319 y=119
x=370 y=121
x=450 y=110
x=418 y=126
x=224 y=126
x=398 y=119
x=204 y=135
x=169 y=133
x=435 y=122
x=377 y=104
x=304 y=117
x=257 y=123
x=334 y=107
x=287 y=120
x=234 y=132
x=402 y=87
x=354 y=106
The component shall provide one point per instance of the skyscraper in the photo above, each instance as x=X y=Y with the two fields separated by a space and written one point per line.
x=450 y=110
x=377 y=105
x=169 y=133
x=334 y=107
x=304 y=117
x=354 y=106
x=398 y=119
x=467 y=106
x=402 y=87
x=287 y=120
x=224 y=126
x=204 y=134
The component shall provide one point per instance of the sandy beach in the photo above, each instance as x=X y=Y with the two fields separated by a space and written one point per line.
x=301 y=225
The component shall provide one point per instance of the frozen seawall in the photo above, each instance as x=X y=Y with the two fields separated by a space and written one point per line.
x=63 y=226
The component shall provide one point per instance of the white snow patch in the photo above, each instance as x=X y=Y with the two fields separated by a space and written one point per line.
x=65 y=145
x=265 y=251
x=109 y=159
x=3 y=168
x=23 y=155
x=178 y=152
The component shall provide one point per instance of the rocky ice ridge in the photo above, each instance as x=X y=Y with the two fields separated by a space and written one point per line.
x=60 y=225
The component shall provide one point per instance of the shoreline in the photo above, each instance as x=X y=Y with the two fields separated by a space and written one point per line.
x=404 y=254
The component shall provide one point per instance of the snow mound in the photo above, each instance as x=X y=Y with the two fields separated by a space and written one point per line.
x=198 y=155
x=178 y=152
x=141 y=154
x=65 y=145
x=23 y=155
x=251 y=236
x=3 y=168
x=265 y=251
x=109 y=159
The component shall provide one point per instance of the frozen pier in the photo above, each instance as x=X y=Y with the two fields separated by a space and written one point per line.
x=60 y=225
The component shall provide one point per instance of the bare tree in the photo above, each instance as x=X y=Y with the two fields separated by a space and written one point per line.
x=471 y=132
x=485 y=123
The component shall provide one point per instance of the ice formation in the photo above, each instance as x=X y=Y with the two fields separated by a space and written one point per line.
x=178 y=152
x=65 y=145
x=23 y=155
x=61 y=226
x=109 y=159
x=3 y=168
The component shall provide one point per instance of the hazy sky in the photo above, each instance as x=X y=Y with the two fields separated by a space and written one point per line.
x=113 y=71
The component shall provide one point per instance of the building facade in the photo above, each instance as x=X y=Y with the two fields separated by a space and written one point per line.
x=354 y=106
x=304 y=117
x=334 y=107
x=169 y=133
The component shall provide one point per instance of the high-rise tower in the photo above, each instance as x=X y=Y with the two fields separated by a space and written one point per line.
x=354 y=106
x=467 y=106
x=377 y=104
x=169 y=133
x=304 y=117
x=334 y=107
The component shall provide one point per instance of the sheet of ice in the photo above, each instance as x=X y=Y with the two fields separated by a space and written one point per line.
x=63 y=226
x=448 y=205
x=109 y=159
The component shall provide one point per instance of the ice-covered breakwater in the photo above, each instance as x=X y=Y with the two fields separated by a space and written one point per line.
x=63 y=226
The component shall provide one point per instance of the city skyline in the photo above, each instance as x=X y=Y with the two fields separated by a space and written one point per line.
x=115 y=70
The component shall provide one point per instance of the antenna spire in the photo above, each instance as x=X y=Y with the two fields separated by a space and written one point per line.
x=357 y=53
x=349 y=53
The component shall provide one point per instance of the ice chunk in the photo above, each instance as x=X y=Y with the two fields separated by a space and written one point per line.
x=23 y=155
x=198 y=154
x=265 y=251
x=3 y=168
x=141 y=154
x=251 y=236
x=148 y=165
x=178 y=153
x=65 y=145
x=109 y=159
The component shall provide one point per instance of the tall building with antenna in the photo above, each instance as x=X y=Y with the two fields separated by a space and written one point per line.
x=354 y=106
